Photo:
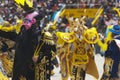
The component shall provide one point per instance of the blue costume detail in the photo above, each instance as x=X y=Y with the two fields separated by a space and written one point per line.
x=113 y=52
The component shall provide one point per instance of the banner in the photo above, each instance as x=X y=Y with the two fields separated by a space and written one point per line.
x=91 y=12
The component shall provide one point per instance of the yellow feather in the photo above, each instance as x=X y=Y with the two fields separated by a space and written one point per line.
x=2 y=77
x=22 y=2
x=7 y=64
x=29 y=3
x=104 y=45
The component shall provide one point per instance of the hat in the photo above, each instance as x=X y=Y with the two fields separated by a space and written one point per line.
x=47 y=35
x=115 y=29
x=48 y=38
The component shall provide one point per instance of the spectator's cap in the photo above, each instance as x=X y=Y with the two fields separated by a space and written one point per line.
x=115 y=29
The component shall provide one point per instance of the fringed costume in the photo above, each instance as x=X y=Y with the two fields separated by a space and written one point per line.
x=7 y=64
x=25 y=35
x=25 y=39
x=65 y=53
x=112 y=56
x=45 y=52
x=75 y=56
x=76 y=52
x=3 y=74
x=83 y=57
x=26 y=43
x=5 y=58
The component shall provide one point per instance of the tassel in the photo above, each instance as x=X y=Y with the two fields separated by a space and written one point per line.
x=7 y=64
x=2 y=77
x=22 y=78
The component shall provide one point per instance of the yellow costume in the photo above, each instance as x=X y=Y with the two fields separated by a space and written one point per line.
x=104 y=45
x=7 y=27
x=3 y=73
x=65 y=53
x=76 y=55
x=7 y=64
x=2 y=77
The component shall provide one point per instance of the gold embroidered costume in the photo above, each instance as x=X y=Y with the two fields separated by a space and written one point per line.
x=45 y=52
x=76 y=53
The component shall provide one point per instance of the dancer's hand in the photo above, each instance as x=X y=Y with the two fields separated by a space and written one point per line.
x=35 y=58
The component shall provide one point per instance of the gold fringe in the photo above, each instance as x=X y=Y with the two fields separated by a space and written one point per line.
x=104 y=45
x=2 y=77
x=49 y=42
x=7 y=64
x=22 y=78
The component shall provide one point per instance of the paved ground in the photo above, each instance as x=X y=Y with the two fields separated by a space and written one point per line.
x=99 y=62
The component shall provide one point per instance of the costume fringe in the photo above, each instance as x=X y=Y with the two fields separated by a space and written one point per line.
x=2 y=77
x=7 y=64
x=22 y=78
x=104 y=45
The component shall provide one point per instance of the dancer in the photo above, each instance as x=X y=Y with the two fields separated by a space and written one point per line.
x=26 y=39
x=112 y=56
x=76 y=52
x=43 y=56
